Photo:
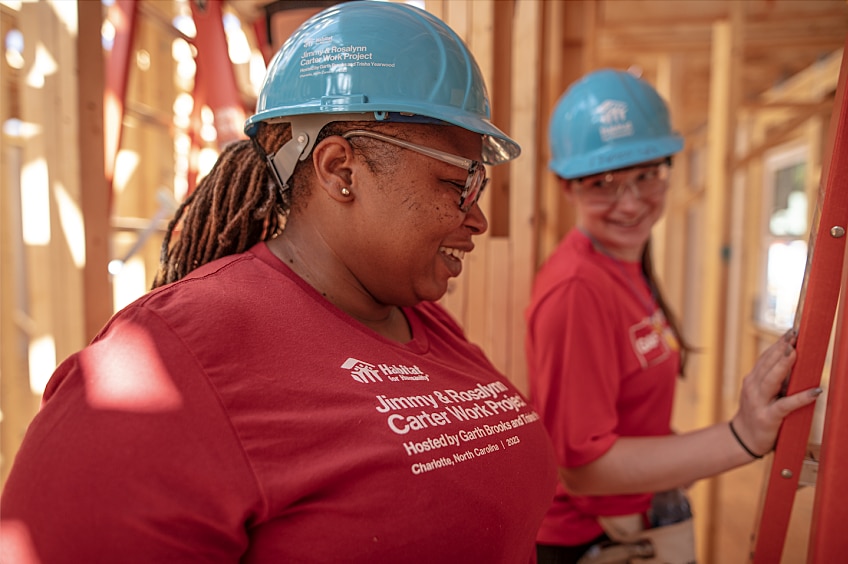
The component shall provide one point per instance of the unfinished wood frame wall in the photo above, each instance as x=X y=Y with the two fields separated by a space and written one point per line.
x=794 y=114
x=146 y=158
x=56 y=290
x=14 y=342
x=43 y=297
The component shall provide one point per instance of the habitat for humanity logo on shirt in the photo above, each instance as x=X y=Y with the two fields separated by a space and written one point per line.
x=367 y=373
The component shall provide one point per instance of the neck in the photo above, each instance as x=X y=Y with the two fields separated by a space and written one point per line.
x=321 y=269
x=629 y=254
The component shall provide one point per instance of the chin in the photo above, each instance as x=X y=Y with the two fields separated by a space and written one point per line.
x=435 y=294
x=633 y=233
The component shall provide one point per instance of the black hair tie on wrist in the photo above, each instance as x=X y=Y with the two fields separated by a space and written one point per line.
x=743 y=445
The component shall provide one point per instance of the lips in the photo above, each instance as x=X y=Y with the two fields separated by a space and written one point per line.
x=627 y=224
x=452 y=259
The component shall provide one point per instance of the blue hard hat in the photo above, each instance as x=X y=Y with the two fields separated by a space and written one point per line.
x=366 y=60
x=609 y=120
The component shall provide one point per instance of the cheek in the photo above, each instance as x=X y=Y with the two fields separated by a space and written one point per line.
x=593 y=215
x=447 y=214
x=421 y=201
x=435 y=212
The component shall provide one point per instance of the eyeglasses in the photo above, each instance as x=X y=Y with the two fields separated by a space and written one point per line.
x=475 y=183
x=648 y=181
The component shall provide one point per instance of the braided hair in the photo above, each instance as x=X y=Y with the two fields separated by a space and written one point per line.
x=235 y=206
x=239 y=202
x=686 y=348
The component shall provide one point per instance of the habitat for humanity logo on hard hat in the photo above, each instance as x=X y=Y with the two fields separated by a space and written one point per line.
x=366 y=373
x=612 y=115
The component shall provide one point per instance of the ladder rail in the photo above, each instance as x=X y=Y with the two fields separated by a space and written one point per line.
x=828 y=542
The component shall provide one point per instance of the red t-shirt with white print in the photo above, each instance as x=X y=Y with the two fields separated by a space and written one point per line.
x=602 y=364
x=236 y=415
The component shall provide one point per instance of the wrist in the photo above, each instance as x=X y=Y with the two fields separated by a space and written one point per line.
x=741 y=442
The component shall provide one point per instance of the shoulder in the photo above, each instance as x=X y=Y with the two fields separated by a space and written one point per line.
x=219 y=306
x=228 y=288
x=572 y=271
x=217 y=279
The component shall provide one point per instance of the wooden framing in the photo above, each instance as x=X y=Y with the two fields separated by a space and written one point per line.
x=96 y=198
x=17 y=401
x=44 y=297
x=523 y=178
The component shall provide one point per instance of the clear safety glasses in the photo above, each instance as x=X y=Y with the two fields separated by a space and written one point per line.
x=474 y=184
x=648 y=182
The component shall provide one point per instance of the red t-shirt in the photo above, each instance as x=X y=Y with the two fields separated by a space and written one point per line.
x=597 y=370
x=237 y=416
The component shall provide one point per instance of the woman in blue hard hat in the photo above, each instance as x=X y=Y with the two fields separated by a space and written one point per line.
x=289 y=392
x=603 y=348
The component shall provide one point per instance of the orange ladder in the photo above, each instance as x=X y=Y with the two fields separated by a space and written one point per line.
x=826 y=277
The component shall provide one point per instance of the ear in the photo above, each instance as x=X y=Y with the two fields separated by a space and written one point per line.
x=333 y=161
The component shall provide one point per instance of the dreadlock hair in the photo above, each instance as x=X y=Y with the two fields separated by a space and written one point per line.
x=239 y=203
x=648 y=271
x=235 y=206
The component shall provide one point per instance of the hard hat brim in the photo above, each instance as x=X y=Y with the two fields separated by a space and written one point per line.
x=498 y=147
x=616 y=156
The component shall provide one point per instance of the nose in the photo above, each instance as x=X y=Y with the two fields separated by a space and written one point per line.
x=476 y=220
x=629 y=186
x=628 y=195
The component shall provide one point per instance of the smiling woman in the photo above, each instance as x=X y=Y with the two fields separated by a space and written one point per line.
x=290 y=373
x=604 y=348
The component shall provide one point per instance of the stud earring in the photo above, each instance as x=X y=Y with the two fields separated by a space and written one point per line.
x=345 y=191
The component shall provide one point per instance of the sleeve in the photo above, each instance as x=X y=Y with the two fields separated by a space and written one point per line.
x=575 y=371
x=130 y=459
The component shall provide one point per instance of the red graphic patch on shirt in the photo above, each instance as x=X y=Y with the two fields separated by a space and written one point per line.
x=649 y=344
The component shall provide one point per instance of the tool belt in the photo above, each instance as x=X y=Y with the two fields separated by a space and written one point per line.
x=632 y=543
